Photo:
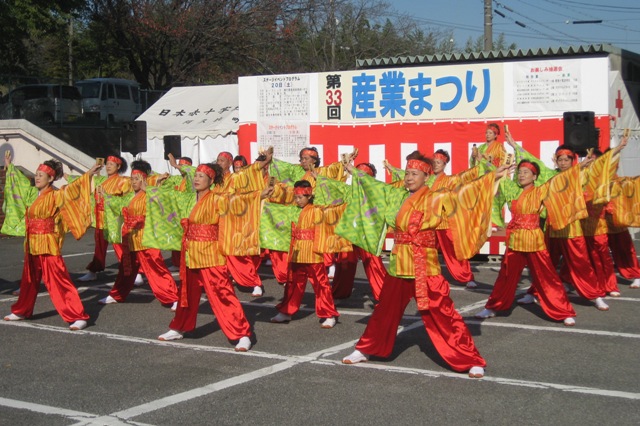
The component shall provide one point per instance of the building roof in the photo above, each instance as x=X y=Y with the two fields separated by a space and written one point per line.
x=495 y=55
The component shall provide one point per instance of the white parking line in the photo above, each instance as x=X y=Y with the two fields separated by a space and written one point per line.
x=286 y=362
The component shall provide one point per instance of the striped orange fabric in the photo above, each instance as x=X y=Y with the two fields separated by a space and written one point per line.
x=563 y=198
x=76 y=206
x=205 y=254
x=595 y=223
x=50 y=204
x=573 y=230
x=625 y=203
x=470 y=218
x=248 y=179
x=427 y=202
x=302 y=250
x=239 y=224
x=529 y=202
x=497 y=152
x=137 y=207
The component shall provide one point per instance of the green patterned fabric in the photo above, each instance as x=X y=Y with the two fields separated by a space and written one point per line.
x=113 y=219
x=173 y=180
x=165 y=208
x=286 y=172
x=396 y=173
x=374 y=206
x=545 y=172
x=18 y=196
x=275 y=225
x=330 y=192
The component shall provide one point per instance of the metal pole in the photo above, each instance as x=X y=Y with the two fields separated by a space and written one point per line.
x=488 y=25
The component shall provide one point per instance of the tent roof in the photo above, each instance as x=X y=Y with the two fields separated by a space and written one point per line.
x=196 y=111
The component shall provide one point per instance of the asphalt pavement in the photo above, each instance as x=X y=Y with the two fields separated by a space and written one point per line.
x=117 y=372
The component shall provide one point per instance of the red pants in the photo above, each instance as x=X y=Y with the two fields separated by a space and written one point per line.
x=244 y=269
x=97 y=264
x=293 y=291
x=64 y=295
x=279 y=264
x=448 y=332
x=624 y=255
x=602 y=262
x=545 y=282
x=346 y=266
x=222 y=298
x=460 y=270
x=579 y=271
x=175 y=258
x=160 y=280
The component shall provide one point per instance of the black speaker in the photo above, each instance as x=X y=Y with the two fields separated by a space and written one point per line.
x=141 y=136
x=580 y=131
x=172 y=145
x=134 y=137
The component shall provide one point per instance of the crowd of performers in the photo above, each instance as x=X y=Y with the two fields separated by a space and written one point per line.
x=220 y=221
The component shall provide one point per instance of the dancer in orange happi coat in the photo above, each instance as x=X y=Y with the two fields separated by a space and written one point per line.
x=204 y=265
x=525 y=239
x=49 y=213
x=311 y=238
x=414 y=271
x=135 y=255
x=117 y=185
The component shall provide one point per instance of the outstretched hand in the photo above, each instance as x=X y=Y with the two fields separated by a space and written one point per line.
x=7 y=158
x=94 y=169
x=172 y=161
x=504 y=170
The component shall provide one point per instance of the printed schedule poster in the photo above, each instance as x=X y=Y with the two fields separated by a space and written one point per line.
x=283 y=114
x=547 y=86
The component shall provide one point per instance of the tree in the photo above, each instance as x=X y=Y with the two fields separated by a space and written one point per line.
x=187 y=42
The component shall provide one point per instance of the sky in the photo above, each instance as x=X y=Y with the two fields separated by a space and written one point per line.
x=547 y=23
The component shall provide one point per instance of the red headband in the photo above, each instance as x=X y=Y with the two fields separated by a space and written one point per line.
x=114 y=159
x=419 y=165
x=238 y=163
x=368 y=170
x=302 y=191
x=309 y=152
x=184 y=161
x=48 y=170
x=441 y=157
x=529 y=166
x=226 y=154
x=139 y=172
x=494 y=128
x=203 y=168
x=566 y=152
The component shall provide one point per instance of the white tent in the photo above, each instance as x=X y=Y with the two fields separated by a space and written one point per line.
x=205 y=118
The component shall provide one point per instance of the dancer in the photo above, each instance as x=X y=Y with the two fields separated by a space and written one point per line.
x=330 y=191
x=597 y=191
x=569 y=242
x=204 y=265
x=49 y=213
x=414 y=269
x=525 y=240
x=311 y=237
x=619 y=220
x=135 y=254
x=113 y=184
x=179 y=186
x=460 y=270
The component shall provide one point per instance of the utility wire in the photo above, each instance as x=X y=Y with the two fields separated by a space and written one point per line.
x=538 y=23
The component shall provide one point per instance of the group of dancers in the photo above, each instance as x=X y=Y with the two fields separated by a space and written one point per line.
x=221 y=220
